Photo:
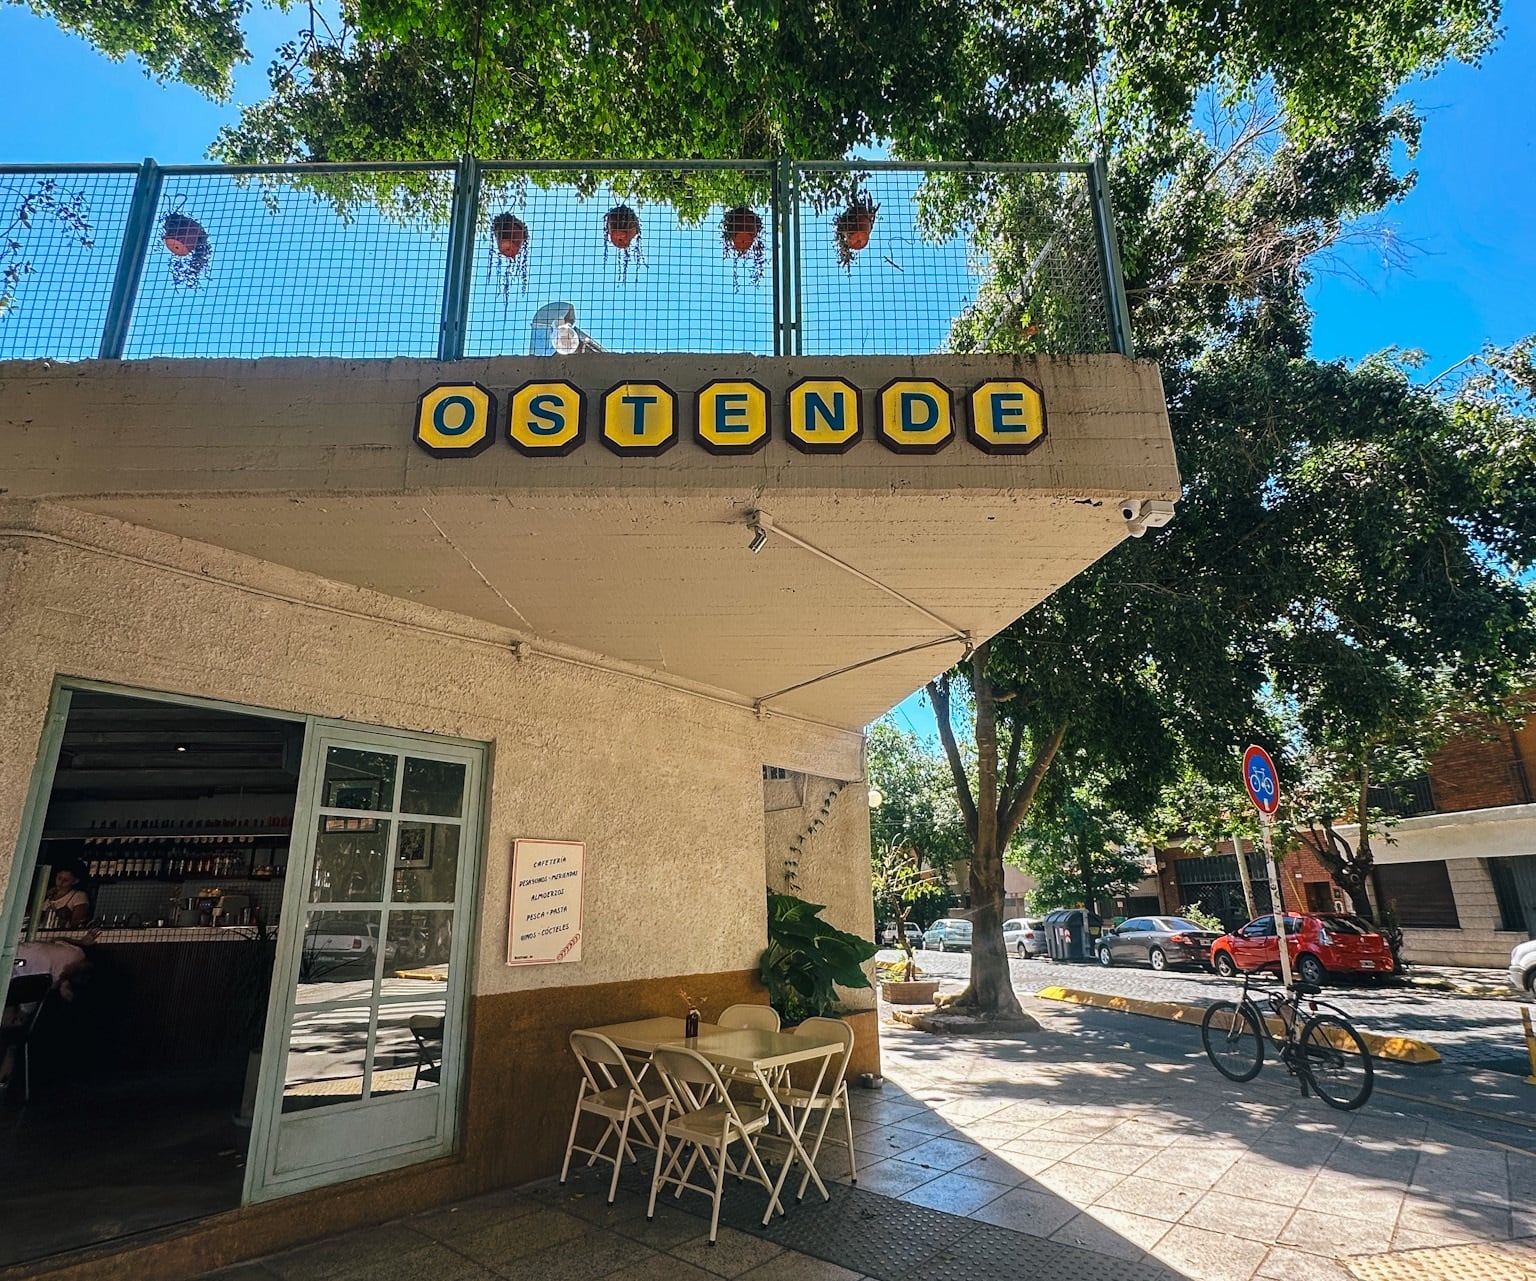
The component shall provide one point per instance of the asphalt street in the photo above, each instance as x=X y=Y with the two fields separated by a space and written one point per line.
x=1466 y=1030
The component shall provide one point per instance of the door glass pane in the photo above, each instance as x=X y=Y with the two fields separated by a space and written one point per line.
x=409 y=1052
x=426 y=862
x=356 y=780
x=337 y=962
x=350 y=854
x=327 y=1051
x=416 y=951
x=432 y=787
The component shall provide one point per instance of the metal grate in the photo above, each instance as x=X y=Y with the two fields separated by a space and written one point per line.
x=648 y=259
x=282 y=262
x=909 y=261
x=488 y=259
x=60 y=232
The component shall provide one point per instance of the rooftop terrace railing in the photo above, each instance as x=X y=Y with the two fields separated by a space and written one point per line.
x=772 y=257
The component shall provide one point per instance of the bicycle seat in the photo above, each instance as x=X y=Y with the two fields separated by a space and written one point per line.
x=1302 y=988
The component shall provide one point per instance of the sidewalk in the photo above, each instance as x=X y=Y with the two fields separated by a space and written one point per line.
x=1061 y=1153
x=1464 y=980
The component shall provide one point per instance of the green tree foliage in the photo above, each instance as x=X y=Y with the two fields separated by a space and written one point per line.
x=917 y=812
x=1076 y=845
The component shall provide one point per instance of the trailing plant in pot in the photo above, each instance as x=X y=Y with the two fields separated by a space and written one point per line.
x=807 y=958
x=741 y=231
x=43 y=202
x=621 y=229
x=852 y=229
x=187 y=242
x=509 y=253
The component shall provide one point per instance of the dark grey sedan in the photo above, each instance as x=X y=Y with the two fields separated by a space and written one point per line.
x=1158 y=941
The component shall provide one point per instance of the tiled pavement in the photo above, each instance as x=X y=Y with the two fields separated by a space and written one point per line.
x=1065 y=1153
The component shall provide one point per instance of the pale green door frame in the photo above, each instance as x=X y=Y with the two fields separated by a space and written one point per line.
x=363 y=1060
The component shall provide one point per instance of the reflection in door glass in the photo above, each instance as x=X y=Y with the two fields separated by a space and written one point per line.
x=409 y=1052
x=327 y=1053
x=356 y=780
x=426 y=862
x=432 y=787
x=349 y=860
x=337 y=962
x=417 y=948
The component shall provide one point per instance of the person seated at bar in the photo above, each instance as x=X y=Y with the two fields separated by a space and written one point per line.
x=68 y=903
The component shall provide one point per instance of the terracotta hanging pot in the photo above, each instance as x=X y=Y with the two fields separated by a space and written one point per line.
x=741 y=229
x=621 y=225
x=853 y=228
x=182 y=235
x=511 y=234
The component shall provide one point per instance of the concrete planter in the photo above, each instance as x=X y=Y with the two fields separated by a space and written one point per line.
x=917 y=992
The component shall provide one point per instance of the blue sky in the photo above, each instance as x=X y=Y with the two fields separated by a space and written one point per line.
x=1469 y=225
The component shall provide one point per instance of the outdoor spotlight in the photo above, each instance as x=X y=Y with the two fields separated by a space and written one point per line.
x=876 y=798
x=565 y=339
x=183 y=747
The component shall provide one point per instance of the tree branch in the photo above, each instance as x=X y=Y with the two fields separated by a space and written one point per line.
x=1008 y=823
x=939 y=693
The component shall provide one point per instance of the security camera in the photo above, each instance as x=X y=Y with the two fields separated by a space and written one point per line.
x=1156 y=512
x=1130 y=508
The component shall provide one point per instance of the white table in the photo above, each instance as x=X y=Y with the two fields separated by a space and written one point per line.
x=763 y=1054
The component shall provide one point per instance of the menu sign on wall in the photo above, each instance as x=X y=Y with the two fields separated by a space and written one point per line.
x=545 y=920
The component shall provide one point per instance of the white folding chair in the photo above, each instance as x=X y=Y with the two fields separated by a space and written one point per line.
x=610 y=1090
x=699 y=1114
x=827 y=1101
x=764 y=1017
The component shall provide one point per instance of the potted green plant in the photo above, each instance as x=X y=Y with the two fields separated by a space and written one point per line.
x=807 y=958
x=897 y=874
x=852 y=229
x=621 y=229
x=741 y=233
x=187 y=242
x=509 y=261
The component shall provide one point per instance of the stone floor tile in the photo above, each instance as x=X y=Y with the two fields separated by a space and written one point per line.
x=1053 y=1147
x=954 y=1194
x=659 y=1267
x=790 y=1266
x=242 y=1272
x=1285 y=1264
x=1261 y=1179
x=500 y=1243
x=1111 y=1156
x=326 y=1258
x=1255 y=1220
x=1080 y=1184
x=890 y=1141
x=1151 y=1198
x=1455 y=1219
x=584 y=1258
x=732 y=1253
x=942 y=1154
x=929 y=1123
x=1210 y=1256
x=1353 y=1198
x=1112 y=1232
x=453 y=1221
x=894 y=1177
x=1332 y=1235
x=1023 y=1210
x=436 y=1261
x=1193 y=1166
x=1007 y=1168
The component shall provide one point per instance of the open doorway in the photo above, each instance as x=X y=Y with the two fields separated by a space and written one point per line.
x=142 y=970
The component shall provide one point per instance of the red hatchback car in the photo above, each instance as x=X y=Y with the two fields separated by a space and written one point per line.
x=1317 y=944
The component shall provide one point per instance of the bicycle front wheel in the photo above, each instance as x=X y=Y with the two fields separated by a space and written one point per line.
x=1336 y=1062
x=1232 y=1040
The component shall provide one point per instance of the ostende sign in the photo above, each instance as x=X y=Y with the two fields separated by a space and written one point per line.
x=819 y=415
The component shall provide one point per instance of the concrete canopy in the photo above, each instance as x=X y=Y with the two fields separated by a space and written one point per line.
x=877 y=561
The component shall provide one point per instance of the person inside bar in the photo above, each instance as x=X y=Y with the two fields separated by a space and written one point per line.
x=67 y=903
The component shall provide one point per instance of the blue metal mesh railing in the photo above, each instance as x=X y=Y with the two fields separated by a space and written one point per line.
x=475 y=259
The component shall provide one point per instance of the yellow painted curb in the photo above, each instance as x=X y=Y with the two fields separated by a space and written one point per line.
x=1399 y=1049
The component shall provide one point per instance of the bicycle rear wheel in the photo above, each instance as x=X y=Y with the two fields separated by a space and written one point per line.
x=1232 y=1040
x=1336 y=1062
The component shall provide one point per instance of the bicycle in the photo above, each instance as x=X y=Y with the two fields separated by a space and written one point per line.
x=1325 y=1051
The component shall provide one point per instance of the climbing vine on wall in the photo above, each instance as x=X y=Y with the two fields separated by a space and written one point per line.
x=797 y=846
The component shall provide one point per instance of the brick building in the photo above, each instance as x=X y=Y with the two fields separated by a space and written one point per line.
x=1458 y=866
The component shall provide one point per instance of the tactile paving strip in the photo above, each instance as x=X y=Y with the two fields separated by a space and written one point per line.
x=892 y=1240
x=1447 y=1263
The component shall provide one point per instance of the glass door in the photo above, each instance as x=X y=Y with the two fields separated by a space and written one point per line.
x=363 y=1050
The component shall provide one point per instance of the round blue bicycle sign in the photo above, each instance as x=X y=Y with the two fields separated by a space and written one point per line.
x=1262 y=780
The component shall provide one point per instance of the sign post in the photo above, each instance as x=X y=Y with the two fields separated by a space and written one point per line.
x=1263 y=783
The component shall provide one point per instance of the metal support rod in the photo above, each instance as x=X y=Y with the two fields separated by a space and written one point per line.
x=1245 y=876
x=461 y=239
x=797 y=297
x=1116 y=309
x=786 y=256
x=130 y=261
x=778 y=257
x=1278 y=903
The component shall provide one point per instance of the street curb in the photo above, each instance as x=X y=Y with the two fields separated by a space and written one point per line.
x=1398 y=1049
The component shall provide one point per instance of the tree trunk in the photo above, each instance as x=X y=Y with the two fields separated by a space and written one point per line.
x=1085 y=867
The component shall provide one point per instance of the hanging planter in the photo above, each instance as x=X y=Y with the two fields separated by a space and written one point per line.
x=188 y=244
x=621 y=229
x=853 y=228
x=741 y=231
x=509 y=255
